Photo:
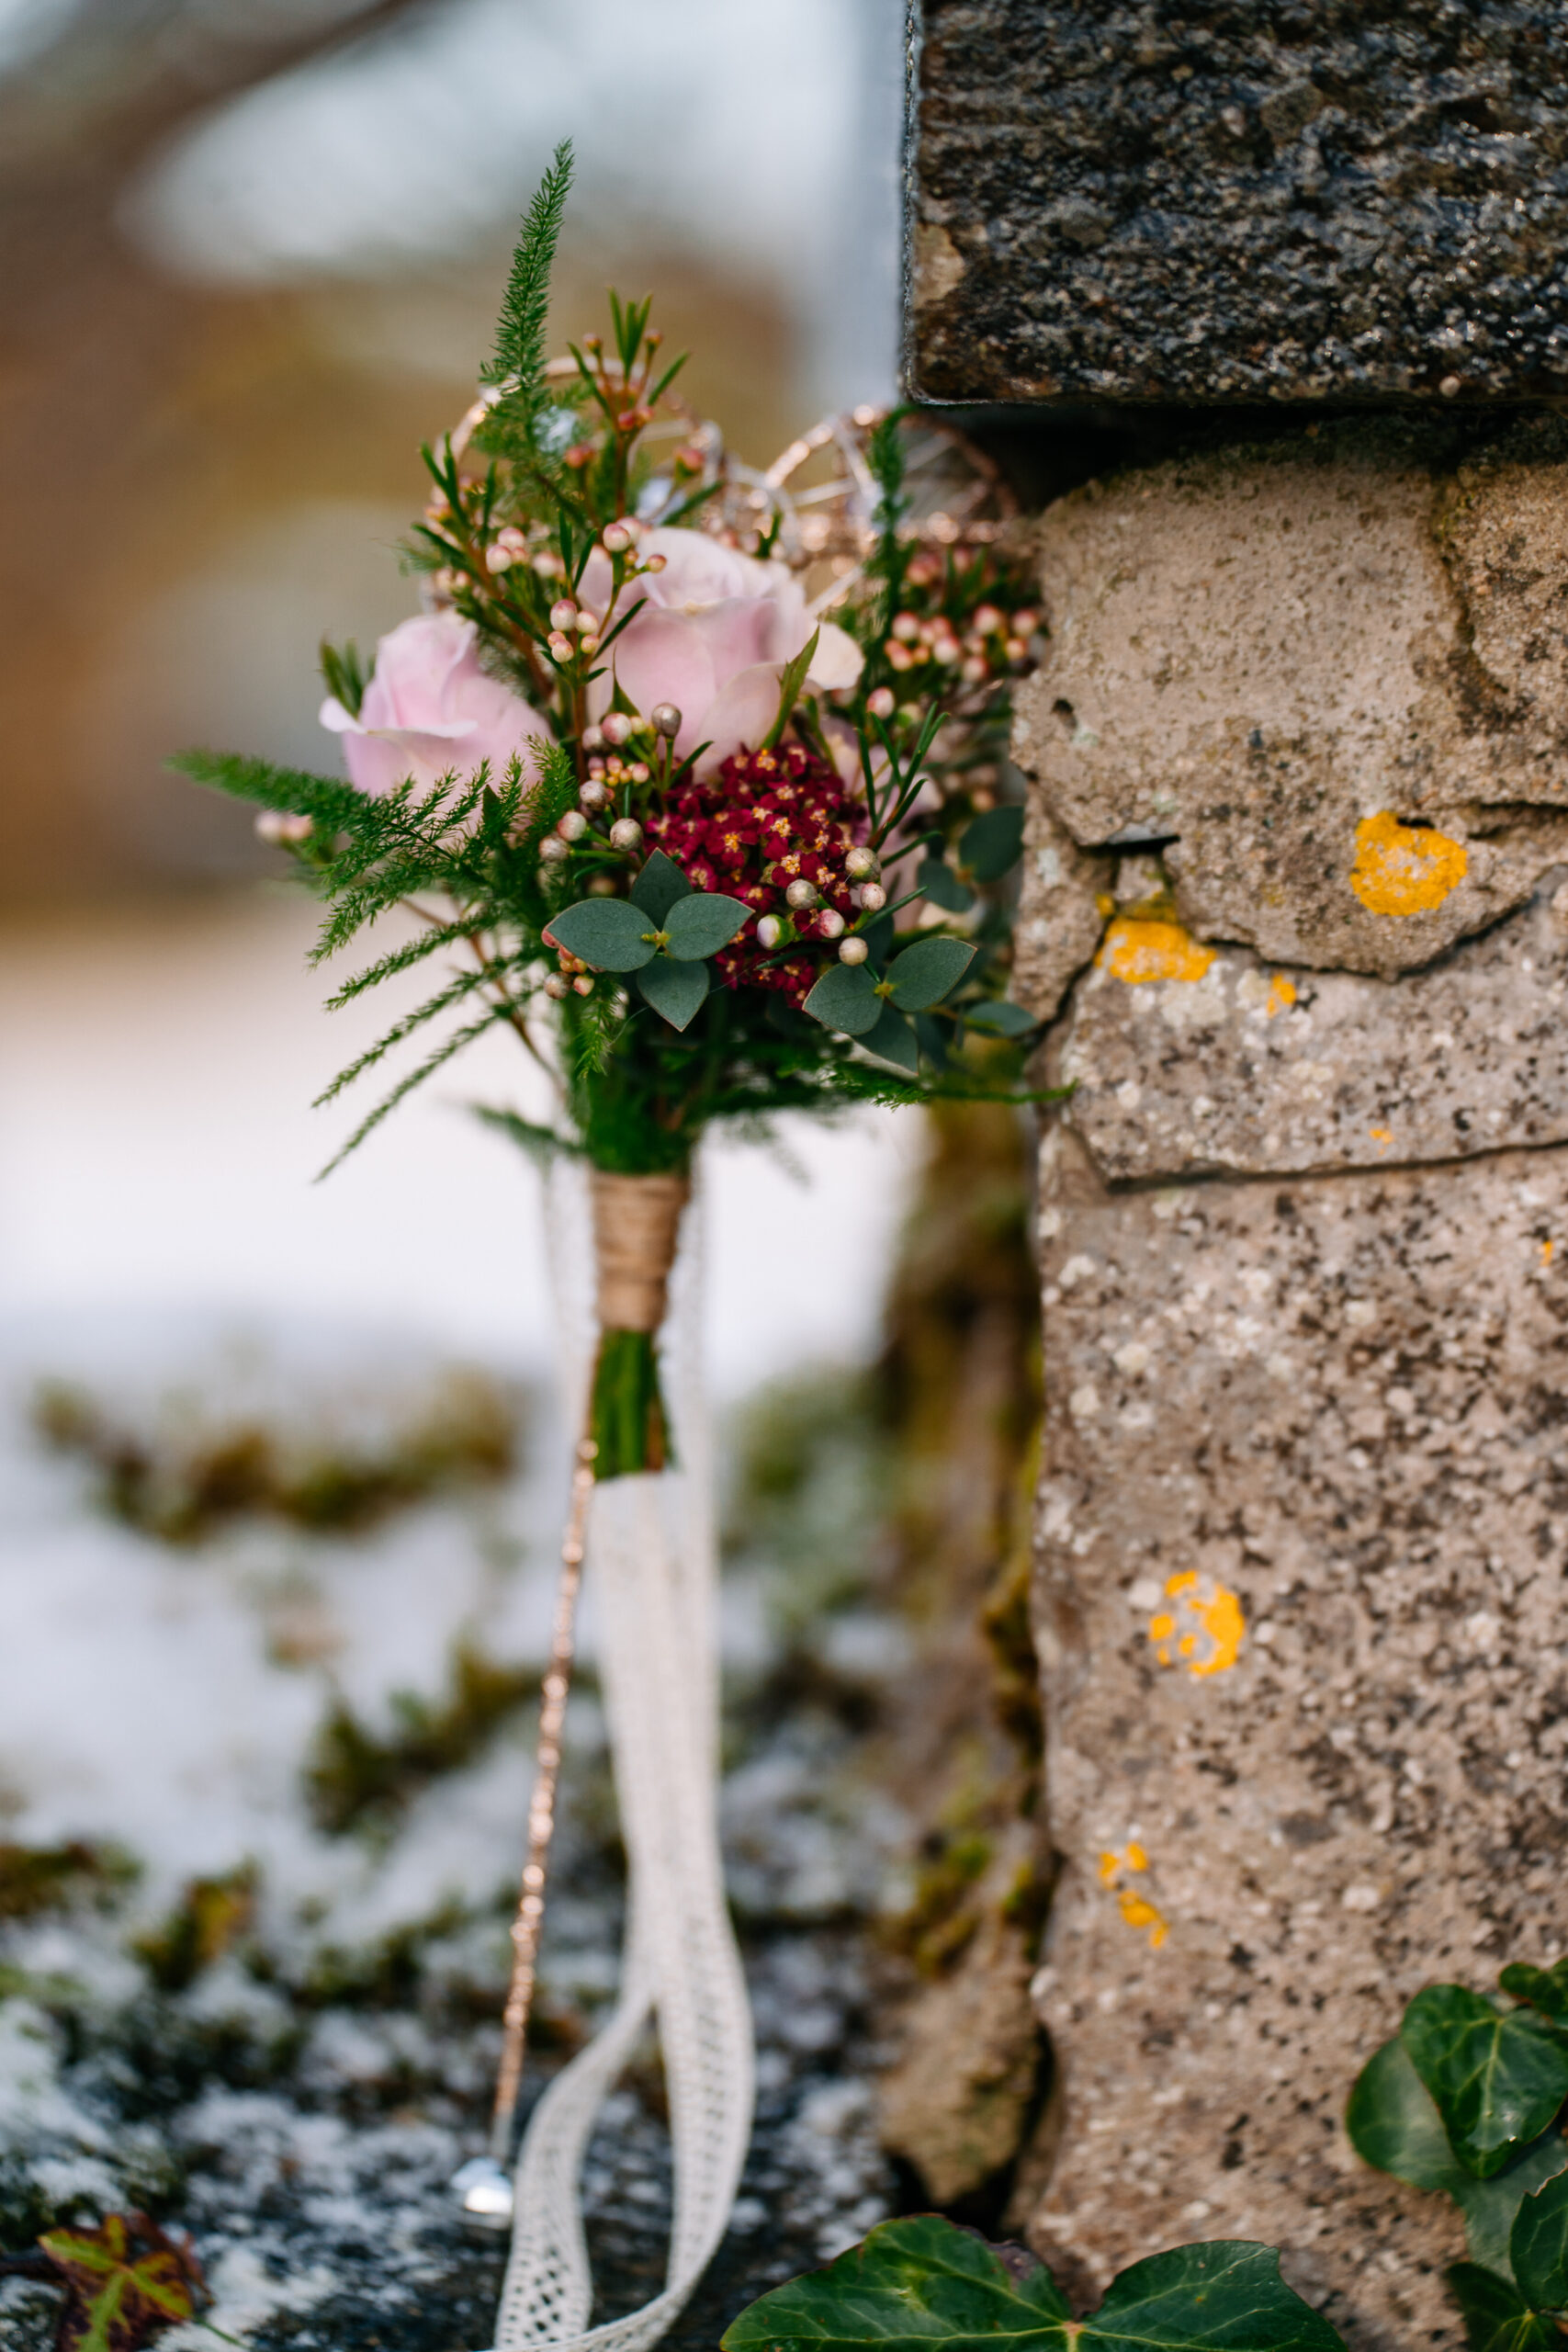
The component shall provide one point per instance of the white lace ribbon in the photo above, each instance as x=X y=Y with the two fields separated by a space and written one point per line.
x=651 y=1561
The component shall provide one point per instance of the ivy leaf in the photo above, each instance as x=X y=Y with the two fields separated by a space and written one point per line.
x=1001 y=1018
x=1545 y=1989
x=845 y=998
x=674 y=989
x=1393 y=2125
x=659 y=886
x=936 y=880
x=892 y=1039
x=993 y=845
x=924 y=973
x=1497 y=2316
x=611 y=935
x=124 y=2284
x=924 y=2281
x=702 y=923
x=1538 y=2246
x=1497 y=2077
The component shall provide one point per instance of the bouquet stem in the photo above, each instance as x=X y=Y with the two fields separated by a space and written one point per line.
x=636 y=1221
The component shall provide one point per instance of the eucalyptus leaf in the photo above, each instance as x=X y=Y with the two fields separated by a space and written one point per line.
x=1497 y=2316
x=925 y=2281
x=702 y=923
x=1545 y=1989
x=1538 y=2246
x=611 y=935
x=1001 y=1018
x=924 y=973
x=674 y=989
x=936 y=880
x=893 y=1040
x=659 y=886
x=845 y=998
x=993 y=845
x=878 y=937
x=1497 y=2077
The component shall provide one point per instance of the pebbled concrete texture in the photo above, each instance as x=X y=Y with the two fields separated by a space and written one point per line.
x=1304 y=1535
x=1303 y=1521
x=1240 y=200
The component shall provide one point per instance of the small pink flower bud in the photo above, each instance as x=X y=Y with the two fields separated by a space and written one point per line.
x=638 y=772
x=497 y=558
x=873 y=898
x=552 y=849
x=987 y=620
x=572 y=826
x=975 y=671
x=830 y=923
x=655 y=563
x=593 y=738
x=561 y=646
x=593 y=795
x=626 y=833
x=1025 y=621
x=801 y=894
x=616 y=727
x=906 y=628
x=770 y=931
x=584 y=984
x=879 y=702
x=852 y=950
x=667 y=719
x=563 y=614
x=1017 y=649
x=898 y=656
x=557 y=985
x=862 y=863
x=618 y=538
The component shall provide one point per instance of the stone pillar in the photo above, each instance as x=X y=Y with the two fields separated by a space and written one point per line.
x=1297 y=898
x=1304 y=1221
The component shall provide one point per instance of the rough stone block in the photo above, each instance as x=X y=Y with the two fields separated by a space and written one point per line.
x=1304 y=1537
x=1258 y=201
x=1331 y=672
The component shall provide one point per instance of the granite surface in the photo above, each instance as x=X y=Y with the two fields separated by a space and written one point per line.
x=1239 y=201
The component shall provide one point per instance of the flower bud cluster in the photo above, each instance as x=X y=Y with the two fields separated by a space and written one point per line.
x=776 y=829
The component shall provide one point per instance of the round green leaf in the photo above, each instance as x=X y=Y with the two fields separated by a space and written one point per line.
x=1497 y=2077
x=659 y=886
x=702 y=923
x=609 y=933
x=993 y=843
x=937 y=881
x=892 y=1039
x=1196 y=2296
x=1001 y=1018
x=924 y=973
x=1538 y=2246
x=845 y=998
x=674 y=990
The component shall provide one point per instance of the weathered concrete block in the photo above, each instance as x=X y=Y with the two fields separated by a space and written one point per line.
x=1305 y=1536
x=1259 y=200
x=1304 y=1218
x=1332 y=670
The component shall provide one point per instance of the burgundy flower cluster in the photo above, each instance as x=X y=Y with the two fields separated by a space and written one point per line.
x=763 y=820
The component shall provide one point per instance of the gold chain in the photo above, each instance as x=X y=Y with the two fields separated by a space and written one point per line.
x=526 y=1926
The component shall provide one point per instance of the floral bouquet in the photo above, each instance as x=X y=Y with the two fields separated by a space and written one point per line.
x=689 y=777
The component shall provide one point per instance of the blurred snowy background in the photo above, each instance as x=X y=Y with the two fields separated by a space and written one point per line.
x=278 y=1474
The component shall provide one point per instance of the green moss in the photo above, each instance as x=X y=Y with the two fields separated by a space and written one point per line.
x=359 y=1779
x=36 y=1879
x=212 y=1918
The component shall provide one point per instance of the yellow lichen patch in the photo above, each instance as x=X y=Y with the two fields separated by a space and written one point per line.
x=1281 y=996
x=1138 y=947
x=1206 y=1630
x=1546 y=1249
x=1135 y=1908
x=1405 y=869
x=1382 y=1136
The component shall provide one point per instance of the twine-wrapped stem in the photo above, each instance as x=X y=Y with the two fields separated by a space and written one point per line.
x=635 y=1224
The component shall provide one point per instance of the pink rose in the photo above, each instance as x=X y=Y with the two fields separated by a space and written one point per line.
x=430 y=710
x=714 y=634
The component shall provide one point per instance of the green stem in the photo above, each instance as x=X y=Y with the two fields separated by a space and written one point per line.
x=630 y=1426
